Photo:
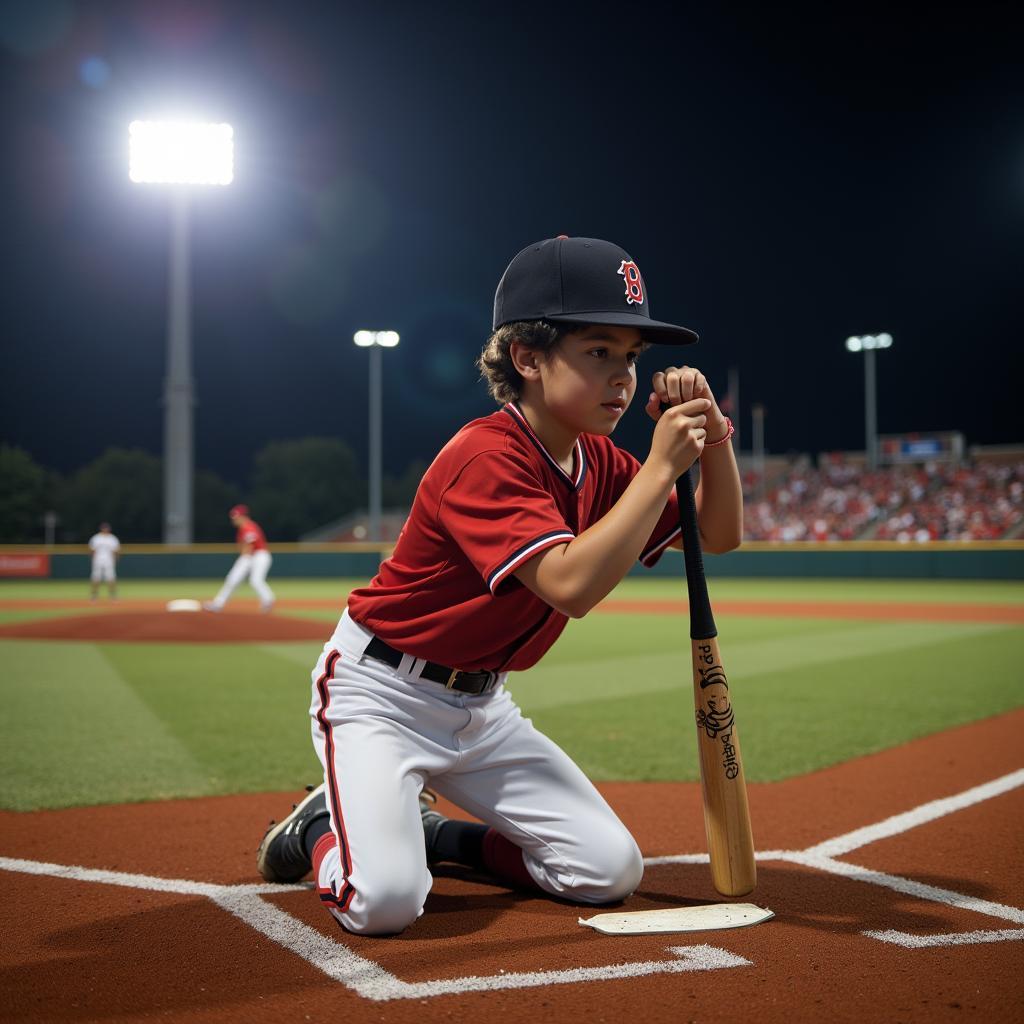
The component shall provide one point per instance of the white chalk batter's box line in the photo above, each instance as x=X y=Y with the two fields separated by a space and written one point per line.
x=369 y=980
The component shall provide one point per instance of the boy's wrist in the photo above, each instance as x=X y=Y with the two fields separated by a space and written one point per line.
x=717 y=428
x=723 y=441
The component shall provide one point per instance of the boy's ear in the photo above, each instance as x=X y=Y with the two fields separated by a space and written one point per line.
x=526 y=360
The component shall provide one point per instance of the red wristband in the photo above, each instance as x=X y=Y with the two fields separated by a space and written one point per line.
x=730 y=430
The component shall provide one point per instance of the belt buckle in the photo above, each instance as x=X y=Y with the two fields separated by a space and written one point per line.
x=451 y=679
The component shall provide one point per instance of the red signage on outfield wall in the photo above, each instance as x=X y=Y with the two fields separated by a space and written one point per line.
x=24 y=565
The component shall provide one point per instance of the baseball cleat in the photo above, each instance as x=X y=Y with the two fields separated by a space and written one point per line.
x=209 y=606
x=432 y=822
x=282 y=856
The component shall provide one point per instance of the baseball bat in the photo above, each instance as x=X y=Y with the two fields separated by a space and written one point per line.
x=724 y=789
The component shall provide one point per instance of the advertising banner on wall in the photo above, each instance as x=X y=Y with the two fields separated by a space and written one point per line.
x=24 y=565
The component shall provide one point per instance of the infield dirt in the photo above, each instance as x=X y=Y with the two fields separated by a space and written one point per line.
x=150 y=622
x=171 y=627
x=78 y=949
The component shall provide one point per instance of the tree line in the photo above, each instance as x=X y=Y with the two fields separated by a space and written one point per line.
x=294 y=487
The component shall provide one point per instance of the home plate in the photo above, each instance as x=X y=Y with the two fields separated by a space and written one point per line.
x=679 y=919
x=184 y=604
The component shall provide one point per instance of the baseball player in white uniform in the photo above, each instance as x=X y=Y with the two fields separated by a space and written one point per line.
x=253 y=562
x=526 y=518
x=105 y=549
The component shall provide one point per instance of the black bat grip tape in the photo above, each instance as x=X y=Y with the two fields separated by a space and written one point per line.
x=702 y=621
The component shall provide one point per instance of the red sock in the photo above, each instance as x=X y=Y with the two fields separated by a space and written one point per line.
x=327 y=842
x=505 y=860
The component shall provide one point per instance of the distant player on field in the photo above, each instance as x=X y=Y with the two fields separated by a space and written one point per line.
x=526 y=518
x=105 y=549
x=253 y=562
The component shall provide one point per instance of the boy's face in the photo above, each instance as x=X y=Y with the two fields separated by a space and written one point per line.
x=589 y=377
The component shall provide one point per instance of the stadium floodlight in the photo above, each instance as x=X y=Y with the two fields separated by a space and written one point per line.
x=375 y=341
x=181 y=153
x=867 y=343
x=367 y=339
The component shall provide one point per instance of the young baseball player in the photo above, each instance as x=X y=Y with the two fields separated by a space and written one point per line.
x=527 y=517
x=253 y=562
x=106 y=550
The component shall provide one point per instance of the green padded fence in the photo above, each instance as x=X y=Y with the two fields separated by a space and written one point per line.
x=1002 y=560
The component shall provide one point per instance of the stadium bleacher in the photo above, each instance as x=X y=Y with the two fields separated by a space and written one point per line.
x=978 y=499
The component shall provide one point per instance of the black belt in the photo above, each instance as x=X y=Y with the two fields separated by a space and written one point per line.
x=451 y=678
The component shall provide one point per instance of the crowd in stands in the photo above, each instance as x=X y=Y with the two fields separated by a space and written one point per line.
x=908 y=503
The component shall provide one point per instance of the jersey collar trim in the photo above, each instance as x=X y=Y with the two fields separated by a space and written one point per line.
x=579 y=459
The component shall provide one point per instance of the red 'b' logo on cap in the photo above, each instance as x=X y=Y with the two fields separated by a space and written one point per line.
x=634 y=282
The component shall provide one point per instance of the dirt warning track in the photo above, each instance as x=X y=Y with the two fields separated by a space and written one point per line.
x=894 y=880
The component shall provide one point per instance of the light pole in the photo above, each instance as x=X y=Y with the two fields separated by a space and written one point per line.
x=867 y=343
x=180 y=154
x=757 y=430
x=375 y=341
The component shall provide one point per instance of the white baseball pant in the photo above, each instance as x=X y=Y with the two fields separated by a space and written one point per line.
x=102 y=570
x=255 y=567
x=382 y=735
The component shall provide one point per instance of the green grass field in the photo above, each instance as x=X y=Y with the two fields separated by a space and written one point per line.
x=104 y=722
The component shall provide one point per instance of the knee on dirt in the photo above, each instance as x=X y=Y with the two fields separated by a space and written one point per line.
x=614 y=869
x=389 y=909
x=621 y=867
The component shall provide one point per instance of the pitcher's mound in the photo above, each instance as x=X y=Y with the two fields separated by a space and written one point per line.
x=168 y=627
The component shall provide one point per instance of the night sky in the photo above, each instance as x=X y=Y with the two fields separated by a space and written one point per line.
x=783 y=176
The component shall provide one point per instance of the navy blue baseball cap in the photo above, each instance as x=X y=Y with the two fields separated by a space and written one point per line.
x=580 y=281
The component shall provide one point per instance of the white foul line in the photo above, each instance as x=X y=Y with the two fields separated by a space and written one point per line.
x=908 y=941
x=365 y=977
x=822 y=857
x=369 y=980
x=180 y=886
x=918 y=816
x=691 y=958
x=907 y=886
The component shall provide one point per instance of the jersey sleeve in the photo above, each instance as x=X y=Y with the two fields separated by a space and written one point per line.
x=499 y=513
x=248 y=535
x=665 y=532
x=667 y=528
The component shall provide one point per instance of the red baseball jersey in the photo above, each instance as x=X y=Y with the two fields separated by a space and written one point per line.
x=492 y=499
x=250 y=533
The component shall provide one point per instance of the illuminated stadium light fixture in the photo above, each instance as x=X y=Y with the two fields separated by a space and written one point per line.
x=375 y=341
x=181 y=153
x=367 y=339
x=867 y=343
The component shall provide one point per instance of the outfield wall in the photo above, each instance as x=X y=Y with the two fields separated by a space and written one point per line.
x=941 y=561
x=878 y=559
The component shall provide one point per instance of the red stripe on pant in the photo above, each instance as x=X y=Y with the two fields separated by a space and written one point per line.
x=323 y=689
x=323 y=846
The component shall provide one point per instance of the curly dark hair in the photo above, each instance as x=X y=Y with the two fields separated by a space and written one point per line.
x=495 y=362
